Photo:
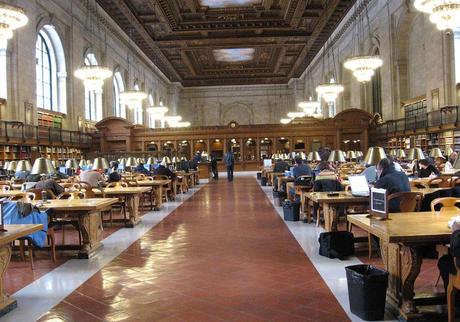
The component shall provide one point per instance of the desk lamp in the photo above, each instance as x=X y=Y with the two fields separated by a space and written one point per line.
x=374 y=155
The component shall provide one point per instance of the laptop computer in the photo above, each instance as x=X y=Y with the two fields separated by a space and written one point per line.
x=359 y=186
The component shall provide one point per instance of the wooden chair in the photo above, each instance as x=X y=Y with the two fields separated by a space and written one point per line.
x=38 y=193
x=23 y=196
x=167 y=188
x=447 y=203
x=439 y=182
x=121 y=200
x=5 y=187
x=454 y=280
x=122 y=184
x=65 y=221
x=408 y=202
x=455 y=182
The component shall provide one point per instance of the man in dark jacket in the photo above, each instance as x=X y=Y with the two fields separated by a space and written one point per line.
x=184 y=165
x=114 y=176
x=162 y=170
x=280 y=166
x=230 y=163
x=391 y=180
x=426 y=169
x=140 y=169
x=301 y=169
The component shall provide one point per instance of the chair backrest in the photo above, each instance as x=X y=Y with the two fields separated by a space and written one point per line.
x=447 y=203
x=84 y=184
x=149 y=178
x=38 y=193
x=5 y=187
x=408 y=201
x=455 y=182
x=439 y=182
x=117 y=184
x=160 y=177
x=23 y=196
x=71 y=195
x=88 y=192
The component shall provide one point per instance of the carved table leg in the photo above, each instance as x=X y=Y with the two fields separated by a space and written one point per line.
x=91 y=231
x=158 y=197
x=7 y=304
x=330 y=217
x=132 y=203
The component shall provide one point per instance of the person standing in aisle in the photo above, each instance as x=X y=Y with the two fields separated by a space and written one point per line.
x=230 y=163
x=215 y=172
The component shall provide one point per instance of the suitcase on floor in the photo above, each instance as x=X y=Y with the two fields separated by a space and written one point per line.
x=336 y=244
x=291 y=210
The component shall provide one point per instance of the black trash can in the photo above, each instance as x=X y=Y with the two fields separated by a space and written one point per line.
x=291 y=210
x=263 y=181
x=259 y=175
x=367 y=290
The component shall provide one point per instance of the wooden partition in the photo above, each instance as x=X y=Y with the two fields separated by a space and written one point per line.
x=251 y=143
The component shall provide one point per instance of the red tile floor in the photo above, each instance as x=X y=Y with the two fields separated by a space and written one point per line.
x=224 y=255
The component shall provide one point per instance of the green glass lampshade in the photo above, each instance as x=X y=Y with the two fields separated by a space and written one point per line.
x=336 y=156
x=166 y=160
x=24 y=165
x=351 y=155
x=71 y=164
x=183 y=159
x=42 y=166
x=131 y=162
x=456 y=164
x=436 y=153
x=374 y=155
x=82 y=163
x=449 y=151
x=415 y=154
x=12 y=166
x=141 y=160
x=175 y=160
x=400 y=154
x=100 y=163
x=151 y=161
x=5 y=166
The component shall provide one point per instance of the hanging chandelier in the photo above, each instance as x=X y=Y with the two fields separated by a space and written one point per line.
x=363 y=67
x=181 y=124
x=309 y=107
x=444 y=13
x=293 y=115
x=132 y=99
x=93 y=76
x=11 y=18
x=329 y=91
x=173 y=120
x=157 y=112
x=285 y=121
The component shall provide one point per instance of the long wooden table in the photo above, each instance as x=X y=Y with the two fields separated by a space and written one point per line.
x=13 y=232
x=401 y=239
x=331 y=204
x=157 y=190
x=132 y=196
x=88 y=214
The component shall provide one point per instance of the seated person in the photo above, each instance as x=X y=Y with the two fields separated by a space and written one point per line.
x=279 y=167
x=396 y=164
x=370 y=173
x=93 y=177
x=21 y=175
x=114 y=176
x=162 y=170
x=446 y=264
x=449 y=166
x=391 y=180
x=184 y=166
x=141 y=169
x=440 y=163
x=50 y=184
x=193 y=165
x=301 y=169
x=427 y=169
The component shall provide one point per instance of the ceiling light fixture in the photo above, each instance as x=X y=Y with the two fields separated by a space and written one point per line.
x=11 y=18
x=363 y=67
x=329 y=91
x=285 y=121
x=93 y=76
x=444 y=13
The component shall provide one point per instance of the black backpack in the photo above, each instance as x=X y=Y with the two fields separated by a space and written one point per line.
x=336 y=244
x=304 y=181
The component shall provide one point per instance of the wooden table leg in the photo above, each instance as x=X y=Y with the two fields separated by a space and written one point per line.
x=158 y=197
x=132 y=204
x=7 y=304
x=403 y=263
x=91 y=231
x=330 y=217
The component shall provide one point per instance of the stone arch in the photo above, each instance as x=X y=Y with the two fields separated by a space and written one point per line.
x=239 y=112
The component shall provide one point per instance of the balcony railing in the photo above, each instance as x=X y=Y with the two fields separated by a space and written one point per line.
x=447 y=115
x=32 y=134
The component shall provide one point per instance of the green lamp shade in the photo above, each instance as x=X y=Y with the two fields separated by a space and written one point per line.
x=12 y=166
x=351 y=155
x=374 y=155
x=71 y=164
x=415 y=154
x=449 y=151
x=100 y=163
x=336 y=156
x=436 y=153
x=23 y=165
x=131 y=162
x=400 y=154
x=82 y=163
x=166 y=160
x=42 y=166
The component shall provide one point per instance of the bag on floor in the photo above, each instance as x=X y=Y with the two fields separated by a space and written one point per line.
x=263 y=181
x=336 y=244
x=259 y=175
x=291 y=210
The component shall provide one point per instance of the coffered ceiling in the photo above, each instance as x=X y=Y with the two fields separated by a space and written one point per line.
x=229 y=42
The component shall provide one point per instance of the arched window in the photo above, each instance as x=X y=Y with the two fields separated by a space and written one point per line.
x=138 y=110
x=151 y=102
x=377 y=90
x=118 y=87
x=50 y=70
x=93 y=99
x=3 y=74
